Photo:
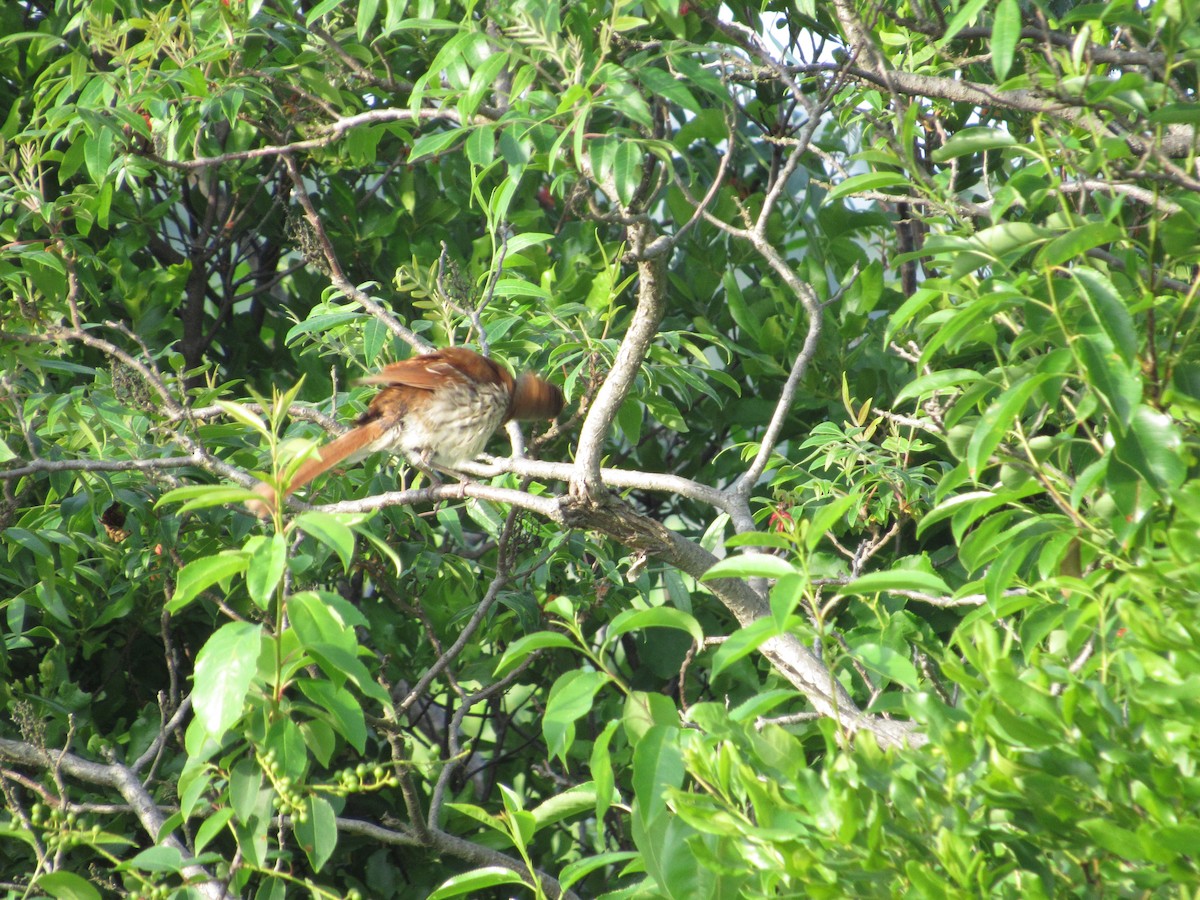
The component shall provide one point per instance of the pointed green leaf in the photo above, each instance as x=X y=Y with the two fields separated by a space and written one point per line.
x=64 y=885
x=868 y=181
x=656 y=617
x=1078 y=241
x=265 y=569
x=898 y=580
x=1006 y=31
x=201 y=574
x=239 y=413
x=570 y=699
x=934 y=382
x=1109 y=309
x=743 y=642
x=317 y=833
x=1153 y=447
x=476 y=881
x=999 y=419
x=225 y=669
x=887 y=662
x=519 y=649
x=1113 y=379
x=627 y=170
x=331 y=531
x=749 y=565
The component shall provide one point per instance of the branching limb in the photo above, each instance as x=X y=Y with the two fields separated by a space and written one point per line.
x=789 y=656
x=336 y=275
x=651 y=306
x=123 y=780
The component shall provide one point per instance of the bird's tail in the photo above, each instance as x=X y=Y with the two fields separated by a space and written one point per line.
x=336 y=451
x=534 y=398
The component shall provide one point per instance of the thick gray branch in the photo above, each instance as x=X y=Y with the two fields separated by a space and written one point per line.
x=651 y=305
x=789 y=656
x=121 y=779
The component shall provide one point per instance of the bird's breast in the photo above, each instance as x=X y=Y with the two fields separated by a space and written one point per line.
x=453 y=423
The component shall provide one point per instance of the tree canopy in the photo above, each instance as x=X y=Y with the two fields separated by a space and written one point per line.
x=863 y=560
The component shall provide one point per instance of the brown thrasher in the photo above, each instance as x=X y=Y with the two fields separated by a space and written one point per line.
x=438 y=409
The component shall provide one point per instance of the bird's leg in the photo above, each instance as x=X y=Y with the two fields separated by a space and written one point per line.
x=423 y=463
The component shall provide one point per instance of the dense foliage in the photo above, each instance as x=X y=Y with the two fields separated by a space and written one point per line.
x=880 y=318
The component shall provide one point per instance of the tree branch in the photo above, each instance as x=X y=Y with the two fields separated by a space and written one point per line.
x=121 y=779
x=651 y=306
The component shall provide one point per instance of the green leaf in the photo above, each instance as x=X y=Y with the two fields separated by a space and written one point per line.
x=483 y=82
x=330 y=530
x=786 y=595
x=65 y=885
x=1000 y=245
x=1176 y=113
x=1114 y=380
x=320 y=10
x=98 y=153
x=317 y=622
x=29 y=541
x=481 y=146
x=317 y=833
x=515 y=150
x=155 y=859
x=321 y=322
x=212 y=826
x=887 y=662
x=656 y=617
x=665 y=85
x=868 y=181
x=735 y=300
x=999 y=419
x=477 y=880
x=627 y=169
x=239 y=413
x=1006 y=32
x=657 y=766
x=202 y=496
x=367 y=10
x=519 y=649
x=1113 y=838
x=743 y=642
x=344 y=711
x=1152 y=447
x=480 y=815
x=519 y=242
x=570 y=699
x=265 y=569
x=1076 y=242
x=581 y=868
x=828 y=515
x=930 y=384
x=201 y=574
x=601 y=768
x=433 y=144
x=579 y=799
x=967 y=13
x=246 y=789
x=225 y=669
x=921 y=298
x=1109 y=310
x=912 y=580
x=749 y=565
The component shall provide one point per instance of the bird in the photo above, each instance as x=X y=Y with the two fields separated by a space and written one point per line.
x=437 y=410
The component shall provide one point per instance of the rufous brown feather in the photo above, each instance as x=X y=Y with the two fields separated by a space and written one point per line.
x=437 y=410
